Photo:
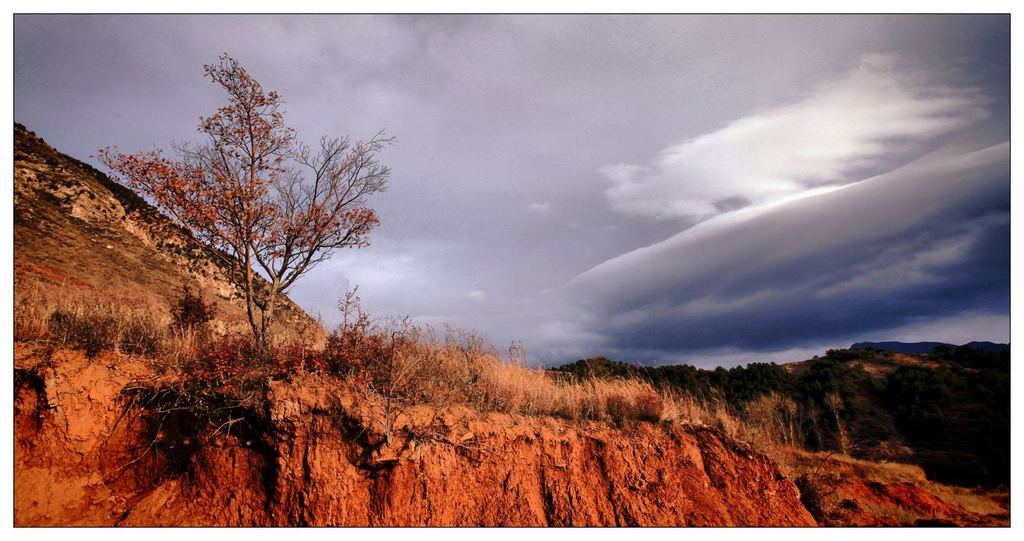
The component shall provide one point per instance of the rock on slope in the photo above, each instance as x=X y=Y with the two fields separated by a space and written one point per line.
x=86 y=454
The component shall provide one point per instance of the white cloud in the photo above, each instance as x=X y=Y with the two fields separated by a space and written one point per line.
x=392 y=277
x=845 y=125
x=477 y=295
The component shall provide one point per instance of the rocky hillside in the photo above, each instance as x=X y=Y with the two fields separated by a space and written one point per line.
x=80 y=235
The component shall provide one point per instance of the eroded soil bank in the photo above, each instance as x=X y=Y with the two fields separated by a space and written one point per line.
x=85 y=454
x=98 y=442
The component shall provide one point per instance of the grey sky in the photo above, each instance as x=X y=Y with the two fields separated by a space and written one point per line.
x=534 y=149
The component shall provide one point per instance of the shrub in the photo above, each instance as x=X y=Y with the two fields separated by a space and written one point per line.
x=190 y=312
x=773 y=418
x=618 y=407
x=845 y=355
x=918 y=396
x=648 y=405
x=236 y=366
x=291 y=358
x=224 y=360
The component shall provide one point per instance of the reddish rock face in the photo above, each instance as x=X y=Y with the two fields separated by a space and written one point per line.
x=85 y=455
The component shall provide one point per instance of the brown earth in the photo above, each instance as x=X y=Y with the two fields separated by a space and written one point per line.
x=878 y=365
x=844 y=491
x=84 y=455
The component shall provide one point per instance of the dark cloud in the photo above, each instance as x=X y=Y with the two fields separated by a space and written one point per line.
x=929 y=240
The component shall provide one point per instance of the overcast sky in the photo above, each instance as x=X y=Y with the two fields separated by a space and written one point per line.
x=702 y=189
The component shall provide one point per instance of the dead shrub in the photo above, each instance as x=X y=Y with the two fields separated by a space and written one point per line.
x=648 y=405
x=618 y=407
x=772 y=419
x=190 y=312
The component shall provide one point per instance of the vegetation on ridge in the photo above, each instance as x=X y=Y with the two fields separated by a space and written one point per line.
x=942 y=410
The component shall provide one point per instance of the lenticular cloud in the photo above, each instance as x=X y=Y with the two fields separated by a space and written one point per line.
x=841 y=127
x=927 y=240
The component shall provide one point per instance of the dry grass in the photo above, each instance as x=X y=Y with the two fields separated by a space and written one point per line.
x=64 y=320
x=980 y=501
x=459 y=368
x=880 y=472
x=399 y=363
x=130 y=323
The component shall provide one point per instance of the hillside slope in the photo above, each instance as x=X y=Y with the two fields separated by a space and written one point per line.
x=947 y=412
x=928 y=347
x=80 y=236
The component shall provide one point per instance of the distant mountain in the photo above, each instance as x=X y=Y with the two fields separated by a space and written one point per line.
x=927 y=347
x=988 y=346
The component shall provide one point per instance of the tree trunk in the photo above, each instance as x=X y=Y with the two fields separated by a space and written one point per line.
x=844 y=440
x=267 y=320
x=250 y=302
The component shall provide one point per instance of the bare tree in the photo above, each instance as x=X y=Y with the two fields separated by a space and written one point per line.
x=265 y=203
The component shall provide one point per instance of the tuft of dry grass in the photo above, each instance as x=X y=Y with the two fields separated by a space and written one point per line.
x=97 y=328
